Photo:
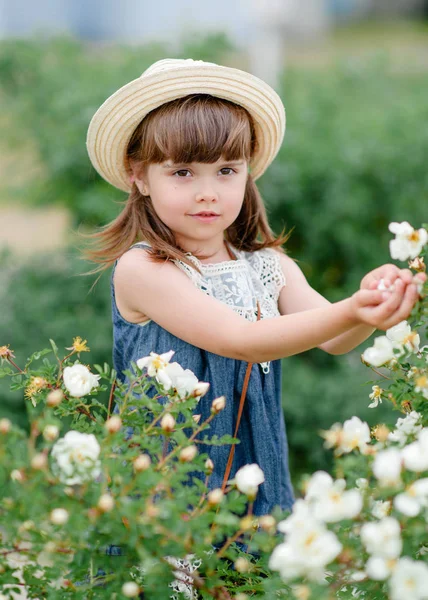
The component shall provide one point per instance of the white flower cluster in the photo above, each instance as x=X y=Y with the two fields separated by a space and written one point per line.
x=172 y=376
x=353 y=434
x=387 y=347
x=408 y=578
x=408 y=242
x=405 y=427
x=76 y=458
x=309 y=546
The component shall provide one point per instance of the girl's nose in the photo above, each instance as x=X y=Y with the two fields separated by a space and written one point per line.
x=207 y=193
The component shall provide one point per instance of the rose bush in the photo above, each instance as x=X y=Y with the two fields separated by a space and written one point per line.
x=89 y=511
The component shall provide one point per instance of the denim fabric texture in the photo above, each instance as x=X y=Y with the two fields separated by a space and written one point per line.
x=262 y=431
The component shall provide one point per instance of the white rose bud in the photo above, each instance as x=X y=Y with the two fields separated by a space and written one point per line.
x=142 y=463
x=215 y=497
x=209 y=465
x=17 y=475
x=188 y=454
x=39 y=461
x=168 y=423
x=59 y=516
x=130 y=589
x=201 y=388
x=106 y=503
x=113 y=424
x=218 y=404
x=242 y=565
x=196 y=418
x=55 y=397
x=5 y=425
x=50 y=433
x=248 y=479
x=267 y=523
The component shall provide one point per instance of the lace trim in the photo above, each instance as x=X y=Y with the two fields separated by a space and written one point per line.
x=182 y=584
x=254 y=276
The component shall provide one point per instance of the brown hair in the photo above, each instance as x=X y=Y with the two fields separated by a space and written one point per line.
x=197 y=128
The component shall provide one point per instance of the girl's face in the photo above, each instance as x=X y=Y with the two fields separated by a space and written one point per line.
x=197 y=201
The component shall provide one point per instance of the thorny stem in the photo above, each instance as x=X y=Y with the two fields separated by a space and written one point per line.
x=15 y=365
x=110 y=400
x=229 y=541
x=85 y=412
x=379 y=373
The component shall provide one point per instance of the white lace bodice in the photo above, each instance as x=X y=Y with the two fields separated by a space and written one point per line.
x=254 y=276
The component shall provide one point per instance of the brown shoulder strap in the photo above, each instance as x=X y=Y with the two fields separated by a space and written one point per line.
x=238 y=418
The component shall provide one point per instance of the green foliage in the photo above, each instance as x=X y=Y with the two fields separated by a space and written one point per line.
x=352 y=161
x=153 y=512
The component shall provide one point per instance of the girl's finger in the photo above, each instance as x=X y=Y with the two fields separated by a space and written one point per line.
x=406 y=275
x=369 y=297
x=391 y=304
x=405 y=308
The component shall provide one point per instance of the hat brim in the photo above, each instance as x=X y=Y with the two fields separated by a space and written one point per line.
x=114 y=122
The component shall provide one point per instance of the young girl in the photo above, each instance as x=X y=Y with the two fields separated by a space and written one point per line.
x=197 y=268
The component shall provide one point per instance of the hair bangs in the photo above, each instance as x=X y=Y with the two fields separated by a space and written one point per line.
x=197 y=128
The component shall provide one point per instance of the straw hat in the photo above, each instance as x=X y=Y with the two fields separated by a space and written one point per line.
x=114 y=122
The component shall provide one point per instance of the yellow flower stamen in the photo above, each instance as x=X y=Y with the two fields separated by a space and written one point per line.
x=5 y=353
x=79 y=345
x=414 y=236
x=422 y=382
x=34 y=387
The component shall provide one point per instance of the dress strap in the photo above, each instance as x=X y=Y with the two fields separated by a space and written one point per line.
x=238 y=418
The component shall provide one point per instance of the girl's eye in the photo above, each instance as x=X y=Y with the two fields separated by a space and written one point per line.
x=227 y=169
x=182 y=173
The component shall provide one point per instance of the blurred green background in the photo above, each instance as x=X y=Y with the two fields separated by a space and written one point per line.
x=354 y=159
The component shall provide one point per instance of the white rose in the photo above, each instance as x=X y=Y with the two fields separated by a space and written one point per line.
x=380 y=353
x=154 y=362
x=79 y=381
x=183 y=381
x=382 y=538
x=76 y=458
x=406 y=426
x=402 y=335
x=300 y=516
x=355 y=434
x=329 y=500
x=387 y=466
x=408 y=242
x=379 y=568
x=248 y=479
x=409 y=580
x=415 y=455
x=413 y=499
x=306 y=552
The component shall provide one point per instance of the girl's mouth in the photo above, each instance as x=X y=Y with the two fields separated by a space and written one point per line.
x=206 y=217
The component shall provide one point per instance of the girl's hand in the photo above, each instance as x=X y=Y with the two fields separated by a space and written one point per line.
x=389 y=274
x=385 y=309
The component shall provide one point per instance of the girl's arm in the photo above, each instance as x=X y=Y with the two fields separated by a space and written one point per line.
x=299 y=296
x=163 y=293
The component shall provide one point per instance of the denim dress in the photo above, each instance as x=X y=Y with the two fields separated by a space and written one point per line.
x=253 y=277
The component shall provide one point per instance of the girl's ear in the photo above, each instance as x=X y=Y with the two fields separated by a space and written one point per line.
x=137 y=176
